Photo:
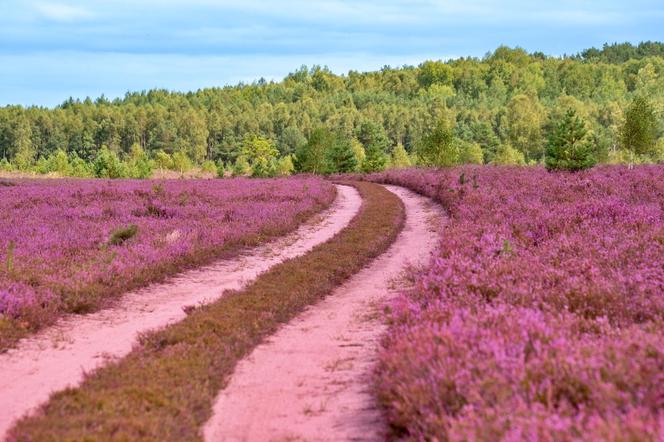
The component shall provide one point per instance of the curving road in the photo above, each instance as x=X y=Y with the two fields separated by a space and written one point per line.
x=310 y=381
x=59 y=356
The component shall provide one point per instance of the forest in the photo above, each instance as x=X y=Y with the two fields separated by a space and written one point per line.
x=508 y=107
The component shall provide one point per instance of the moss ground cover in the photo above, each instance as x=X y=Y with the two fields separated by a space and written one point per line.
x=541 y=316
x=71 y=246
x=165 y=388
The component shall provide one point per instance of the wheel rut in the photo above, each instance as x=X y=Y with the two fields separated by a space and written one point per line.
x=311 y=380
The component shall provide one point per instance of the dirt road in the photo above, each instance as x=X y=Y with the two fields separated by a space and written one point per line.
x=59 y=356
x=310 y=381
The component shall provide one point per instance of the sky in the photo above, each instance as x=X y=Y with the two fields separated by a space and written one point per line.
x=54 y=49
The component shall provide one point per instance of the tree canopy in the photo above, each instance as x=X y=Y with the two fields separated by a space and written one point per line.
x=506 y=104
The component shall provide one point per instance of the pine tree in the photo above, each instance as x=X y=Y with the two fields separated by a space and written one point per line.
x=376 y=158
x=341 y=157
x=375 y=142
x=569 y=146
x=400 y=158
x=241 y=167
x=639 y=132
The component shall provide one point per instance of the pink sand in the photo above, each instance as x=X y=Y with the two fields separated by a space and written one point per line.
x=310 y=381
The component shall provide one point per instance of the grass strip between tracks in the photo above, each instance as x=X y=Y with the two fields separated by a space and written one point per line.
x=165 y=388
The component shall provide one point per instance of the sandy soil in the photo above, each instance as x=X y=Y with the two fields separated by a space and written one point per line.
x=59 y=356
x=310 y=381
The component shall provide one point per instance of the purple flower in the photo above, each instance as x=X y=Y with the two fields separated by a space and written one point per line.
x=541 y=315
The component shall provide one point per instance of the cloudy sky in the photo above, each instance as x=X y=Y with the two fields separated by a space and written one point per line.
x=54 y=49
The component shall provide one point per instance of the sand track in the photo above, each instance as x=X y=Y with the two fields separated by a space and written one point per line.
x=310 y=381
x=59 y=356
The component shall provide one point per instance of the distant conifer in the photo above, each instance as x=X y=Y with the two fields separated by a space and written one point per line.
x=569 y=146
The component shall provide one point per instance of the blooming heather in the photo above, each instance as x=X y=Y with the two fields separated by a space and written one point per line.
x=541 y=315
x=66 y=246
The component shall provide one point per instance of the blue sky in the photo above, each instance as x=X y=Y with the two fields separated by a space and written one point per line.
x=53 y=49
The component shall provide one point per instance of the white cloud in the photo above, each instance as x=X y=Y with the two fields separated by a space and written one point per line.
x=62 y=12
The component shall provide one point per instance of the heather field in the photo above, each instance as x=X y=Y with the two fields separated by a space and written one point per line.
x=541 y=315
x=71 y=246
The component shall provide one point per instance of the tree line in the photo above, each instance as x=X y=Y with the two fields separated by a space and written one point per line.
x=509 y=107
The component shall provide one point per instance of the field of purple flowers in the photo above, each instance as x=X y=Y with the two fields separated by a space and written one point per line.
x=69 y=246
x=541 y=317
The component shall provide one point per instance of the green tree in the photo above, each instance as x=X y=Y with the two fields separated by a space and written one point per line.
x=260 y=153
x=79 y=167
x=638 y=134
x=434 y=72
x=192 y=134
x=284 y=166
x=524 y=126
x=341 y=157
x=241 y=167
x=470 y=153
x=5 y=165
x=400 y=158
x=23 y=151
x=569 y=146
x=138 y=163
x=360 y=154
x=373 y=134
x=438 y=148
x=181 y=162
x=209 y=166
x=312 y=156
x=162 y=160
x=222 y=169
x=375 y=159
x=509 y=97
x=57 y=162
x=376 y=145
x=108 y=165
x=291 y=140
x=506 y=155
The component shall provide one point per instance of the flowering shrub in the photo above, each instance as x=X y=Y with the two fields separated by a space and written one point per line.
x=66 y=246
x=541 y=316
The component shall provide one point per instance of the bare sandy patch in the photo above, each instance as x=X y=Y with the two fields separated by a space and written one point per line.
x=58 y=357
x=310 y=381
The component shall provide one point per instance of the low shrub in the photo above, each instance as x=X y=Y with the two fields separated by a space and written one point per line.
x=119 y=236
x=541 y=315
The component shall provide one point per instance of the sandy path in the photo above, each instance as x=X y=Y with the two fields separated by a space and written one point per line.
x=58 y=357
x=310 y=380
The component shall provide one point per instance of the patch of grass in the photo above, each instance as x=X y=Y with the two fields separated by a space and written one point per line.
x=165 y=388
x=119 y=236
x=9 y=260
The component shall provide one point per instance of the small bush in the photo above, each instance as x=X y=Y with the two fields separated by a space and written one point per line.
x=241 y=167
x=119 y=236
x=5 y=165
x=108 y=165
x=506 y=155
x=209 y=167
x=9 y=261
